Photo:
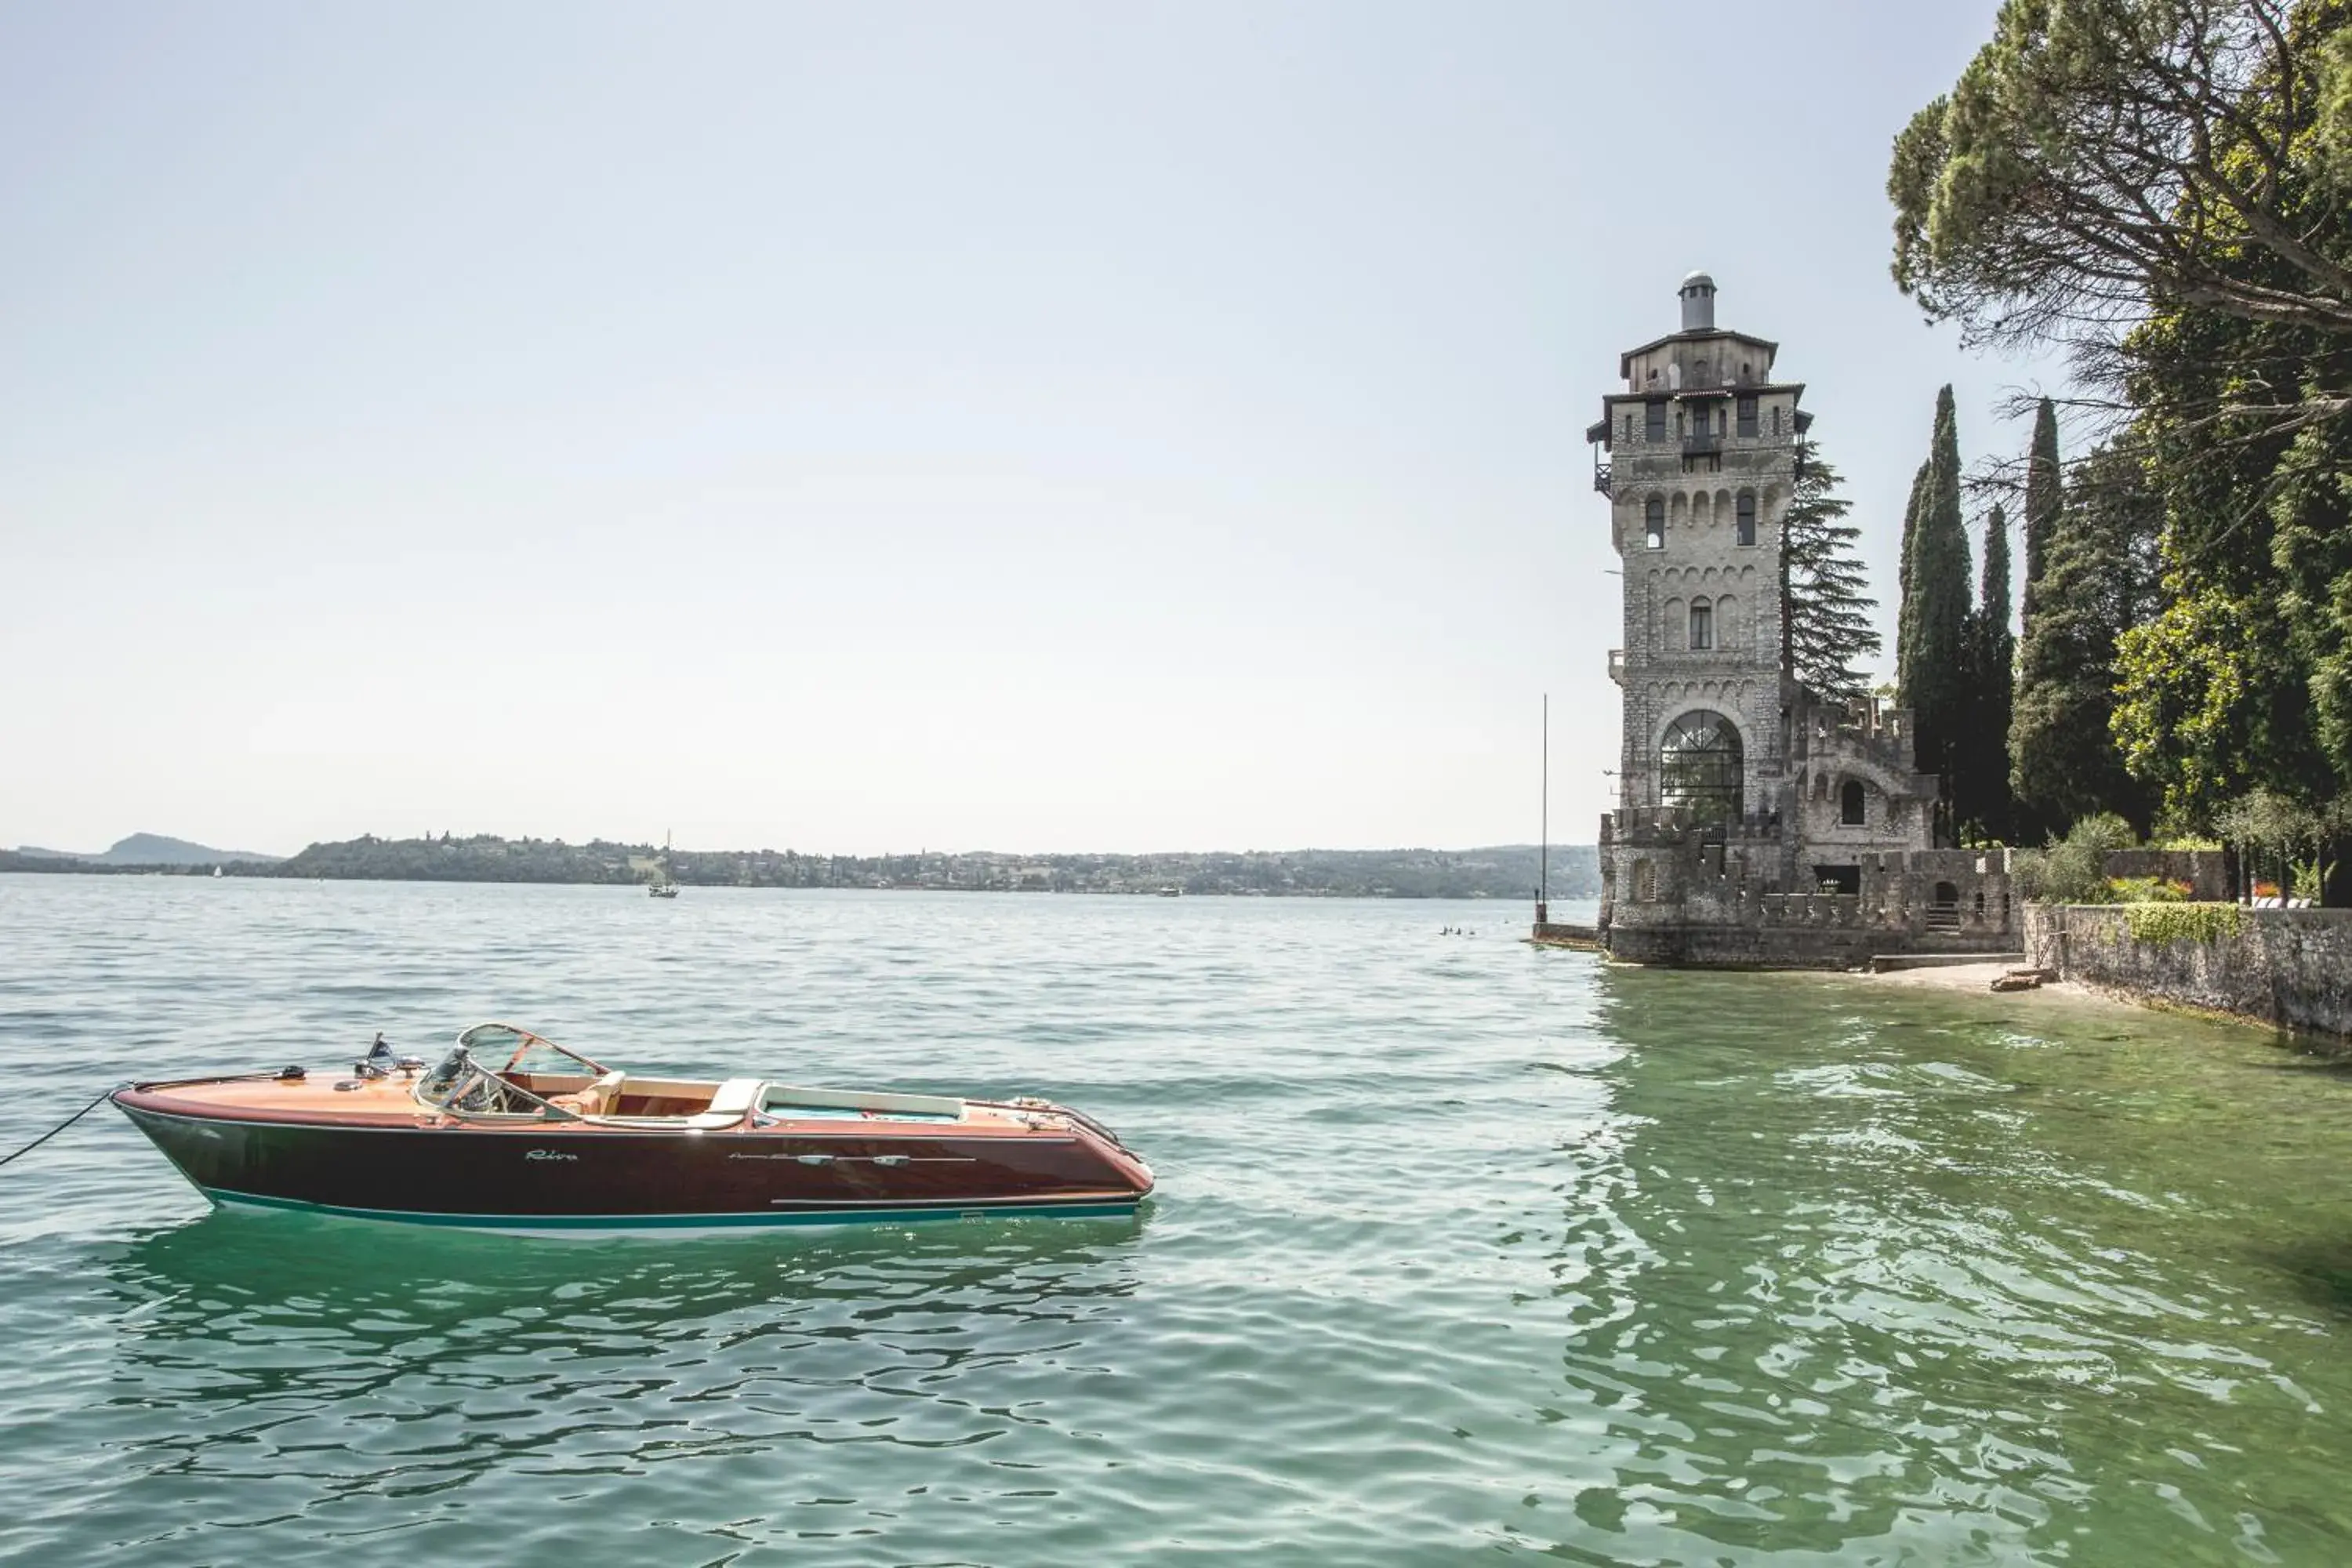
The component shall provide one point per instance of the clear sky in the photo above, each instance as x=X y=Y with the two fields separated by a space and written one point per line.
x=878 y=427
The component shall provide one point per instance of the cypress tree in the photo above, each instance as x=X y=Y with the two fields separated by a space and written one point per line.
x=2064 y=764
x=1903 y=569
x=2045 y=496
x=1825 y=627
x=1934 y=665
x=1992 y=657
x=2032 y=710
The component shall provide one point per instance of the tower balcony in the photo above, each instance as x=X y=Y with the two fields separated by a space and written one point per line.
x=1695 y=445
x=1601 y=478
x=1617 y=665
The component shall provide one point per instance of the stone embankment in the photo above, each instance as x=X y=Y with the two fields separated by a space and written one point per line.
x=2288 y=968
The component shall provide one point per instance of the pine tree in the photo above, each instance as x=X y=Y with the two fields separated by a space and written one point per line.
x=2045 y=496
x=2065 y=763
x=1825 y=626
x=1992 y=657
x=1934 y=673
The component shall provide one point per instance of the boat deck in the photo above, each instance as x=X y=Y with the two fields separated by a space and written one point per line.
x=658 y=1104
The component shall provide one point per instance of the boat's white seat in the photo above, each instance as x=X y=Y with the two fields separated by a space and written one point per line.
x=607 y=1090
x=734 y=1100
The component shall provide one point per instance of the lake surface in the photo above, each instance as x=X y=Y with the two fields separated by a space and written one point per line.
x=1463 y=1251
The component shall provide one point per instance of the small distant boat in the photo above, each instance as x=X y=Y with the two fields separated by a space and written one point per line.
x=217 y=870
x=1170 y=891
x=667 y=888
x=513 y=1132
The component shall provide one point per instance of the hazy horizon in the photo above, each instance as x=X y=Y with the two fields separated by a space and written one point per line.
x=818 y=850
x=1067 y=430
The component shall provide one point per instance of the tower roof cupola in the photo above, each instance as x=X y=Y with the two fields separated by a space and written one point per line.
x=1698 y=303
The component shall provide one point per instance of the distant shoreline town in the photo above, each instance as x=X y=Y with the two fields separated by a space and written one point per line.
x=1499 y=871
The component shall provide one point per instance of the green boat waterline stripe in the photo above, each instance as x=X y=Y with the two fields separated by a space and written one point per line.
x=1092 y=1209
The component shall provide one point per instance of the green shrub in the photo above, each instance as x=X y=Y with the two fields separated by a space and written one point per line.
x=2103 y=832
x=2148 y=891
x=2063 y=874
x=2156 y=924
x=2073 y=869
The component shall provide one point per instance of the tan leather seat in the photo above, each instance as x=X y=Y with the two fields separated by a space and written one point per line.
x=597 y=1099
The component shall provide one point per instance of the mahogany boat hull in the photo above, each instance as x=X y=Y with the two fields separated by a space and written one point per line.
x=603 y=1178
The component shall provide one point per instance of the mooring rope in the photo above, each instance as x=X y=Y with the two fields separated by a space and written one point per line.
x=60 y=1127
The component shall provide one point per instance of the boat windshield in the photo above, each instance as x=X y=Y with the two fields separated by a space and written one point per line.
x=479 y=1078
x=503 y=1048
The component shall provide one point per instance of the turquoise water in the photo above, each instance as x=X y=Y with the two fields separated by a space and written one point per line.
x=1463 y=1251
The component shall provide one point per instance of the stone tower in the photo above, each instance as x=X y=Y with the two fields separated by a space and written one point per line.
x=1701 y=454
x=1759 y=823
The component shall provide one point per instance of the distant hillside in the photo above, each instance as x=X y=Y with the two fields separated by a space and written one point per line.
x=481 y=859
x=153 y=849
x=1501 y=871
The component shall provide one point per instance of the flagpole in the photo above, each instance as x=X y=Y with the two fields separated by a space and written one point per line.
x=1543 y=873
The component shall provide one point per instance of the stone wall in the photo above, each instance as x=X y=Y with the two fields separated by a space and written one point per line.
x=2290 y=968
x=1675 y=894
x=1796 y=945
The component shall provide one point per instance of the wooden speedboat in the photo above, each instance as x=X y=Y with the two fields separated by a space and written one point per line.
x=510 y=1132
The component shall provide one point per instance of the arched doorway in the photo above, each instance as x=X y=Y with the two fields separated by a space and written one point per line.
x=1699 y=766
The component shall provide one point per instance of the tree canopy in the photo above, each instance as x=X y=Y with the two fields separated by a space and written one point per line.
x=2100 y=161
x=2164 y=187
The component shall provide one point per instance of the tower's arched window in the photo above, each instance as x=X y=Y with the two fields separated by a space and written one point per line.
x=1699 y=766
x=1653 y=523
x=1702 y=625
x=1850 y=803
x=1745 y=518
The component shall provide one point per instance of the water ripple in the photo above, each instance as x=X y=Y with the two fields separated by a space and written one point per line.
x=1462 y=1250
